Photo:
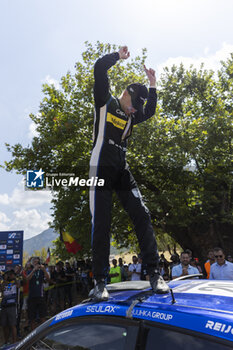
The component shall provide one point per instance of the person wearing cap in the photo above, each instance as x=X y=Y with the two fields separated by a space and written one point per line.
x=113 y=124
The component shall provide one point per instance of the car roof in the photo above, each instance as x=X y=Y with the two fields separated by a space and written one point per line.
x=204 y=306
x=202 y=294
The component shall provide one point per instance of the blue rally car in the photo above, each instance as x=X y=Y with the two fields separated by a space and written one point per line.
x=196 y=315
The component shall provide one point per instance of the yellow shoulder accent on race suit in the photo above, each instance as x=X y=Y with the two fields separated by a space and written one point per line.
x=117 y=122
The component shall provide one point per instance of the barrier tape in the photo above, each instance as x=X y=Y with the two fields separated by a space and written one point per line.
x=59 y=285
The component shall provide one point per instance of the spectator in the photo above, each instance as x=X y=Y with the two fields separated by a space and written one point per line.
x=126 y=267
x=175 y=260
x=9 y=290
x=19 y=276
x=162 y=270
x=221 y=269
x=144 y=274
x=59 y=278
x=28 y=267
x=90 y=274
x=78 y=277
x=189 y=252
x=135 y=270
x=69 y=273
x=46 y=285
x=51 y=304
x=229 y=258
x=115 y=272
x=123 y=272
x=164 y=266
x=184 y=268
x=85 y=279
x=195 y=263
x=36 y=302
x=209 y=262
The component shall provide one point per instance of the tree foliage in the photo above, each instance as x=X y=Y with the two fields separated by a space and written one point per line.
x=181 y=158
x=188 y=173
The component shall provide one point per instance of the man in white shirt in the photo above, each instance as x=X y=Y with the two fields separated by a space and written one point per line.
x=221 y=269
x=135 y=270
x=184 y=268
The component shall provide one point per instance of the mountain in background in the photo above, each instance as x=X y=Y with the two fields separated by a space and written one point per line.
x=45 y=238
x=42 y=240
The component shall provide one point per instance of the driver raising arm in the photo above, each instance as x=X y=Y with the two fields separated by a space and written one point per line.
x=113 y=123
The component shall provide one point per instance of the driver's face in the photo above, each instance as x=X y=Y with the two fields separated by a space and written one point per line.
x=129 y=109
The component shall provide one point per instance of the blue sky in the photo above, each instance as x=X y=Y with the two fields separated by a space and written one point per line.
x=40 y=40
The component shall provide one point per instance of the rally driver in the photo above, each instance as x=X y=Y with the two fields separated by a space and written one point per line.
x=114 y=119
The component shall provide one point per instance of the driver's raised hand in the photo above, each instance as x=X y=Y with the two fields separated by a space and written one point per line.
x=124 y=52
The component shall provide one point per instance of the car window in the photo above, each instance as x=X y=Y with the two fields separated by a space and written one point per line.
x=166 y=339
x=93 y=336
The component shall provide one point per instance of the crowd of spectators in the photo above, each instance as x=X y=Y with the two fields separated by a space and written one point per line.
x=217 y=266
x=30 y=294
x=37 y=291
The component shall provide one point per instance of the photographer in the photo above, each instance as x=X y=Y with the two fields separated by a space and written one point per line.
x=36 y=302
x=9 y=290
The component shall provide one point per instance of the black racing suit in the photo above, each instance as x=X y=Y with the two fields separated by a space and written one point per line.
x=111 y=128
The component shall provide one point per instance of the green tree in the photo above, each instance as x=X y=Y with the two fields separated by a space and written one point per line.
x=181 y=158
x=187 y=174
